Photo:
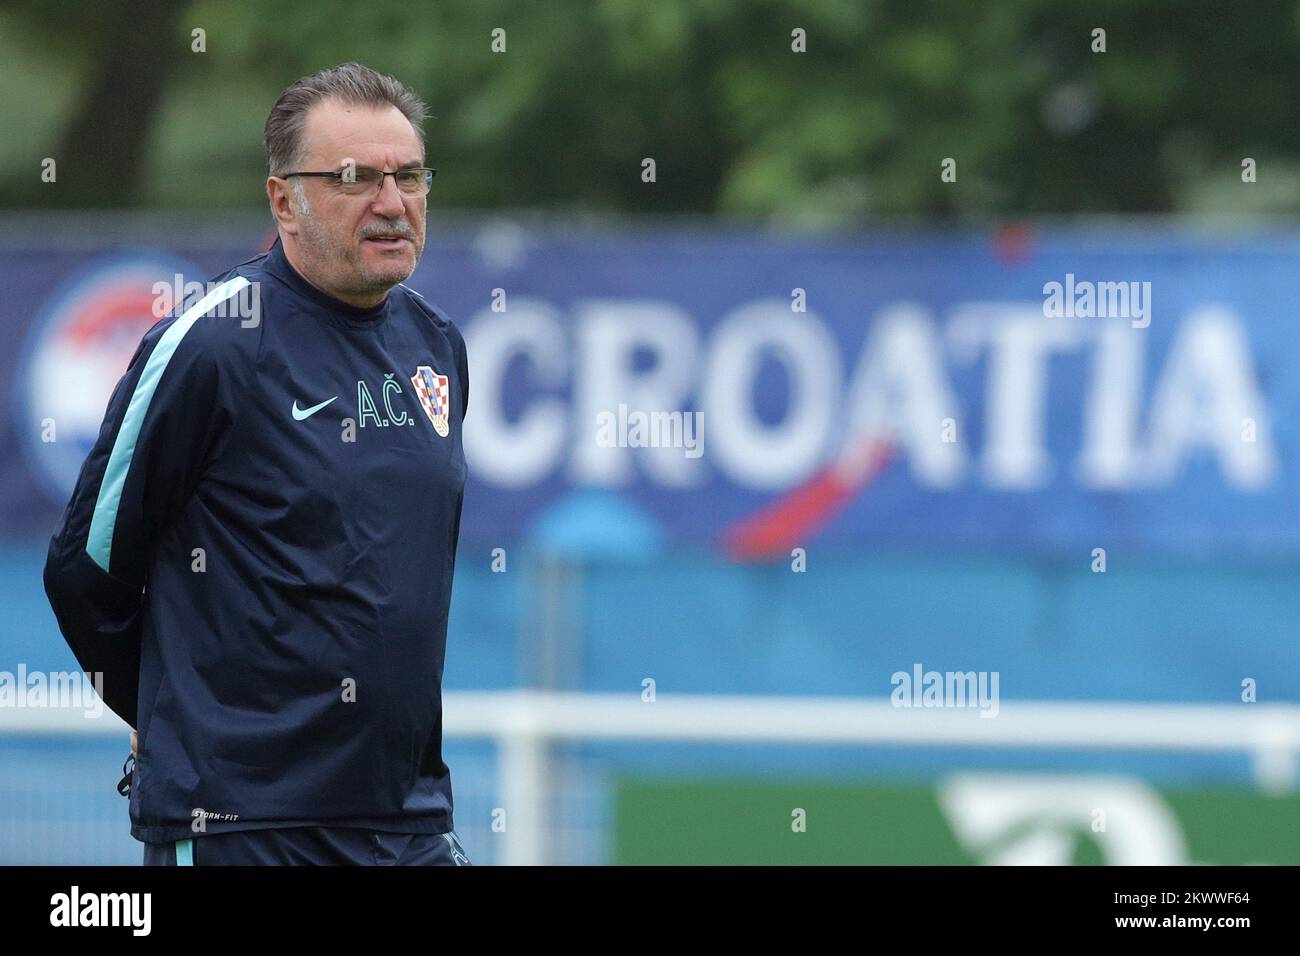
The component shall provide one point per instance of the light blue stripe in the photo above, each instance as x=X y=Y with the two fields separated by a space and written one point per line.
x=99 y=542
x=184 y=852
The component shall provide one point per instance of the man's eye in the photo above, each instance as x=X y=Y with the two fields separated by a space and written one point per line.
x=367 y=175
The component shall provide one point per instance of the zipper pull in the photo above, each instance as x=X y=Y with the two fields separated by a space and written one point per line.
x=128 y=768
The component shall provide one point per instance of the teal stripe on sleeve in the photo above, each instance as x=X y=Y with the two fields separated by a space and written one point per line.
x=99 y=542
x=184 y=852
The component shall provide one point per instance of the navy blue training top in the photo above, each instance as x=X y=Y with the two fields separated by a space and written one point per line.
x=258 y=558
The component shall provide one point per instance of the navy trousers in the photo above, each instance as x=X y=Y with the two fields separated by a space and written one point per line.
x=310 y=846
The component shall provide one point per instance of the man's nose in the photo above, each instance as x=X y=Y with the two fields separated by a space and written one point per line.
x=388 y=201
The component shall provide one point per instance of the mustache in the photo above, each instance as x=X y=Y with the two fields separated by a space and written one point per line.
x=397 y=228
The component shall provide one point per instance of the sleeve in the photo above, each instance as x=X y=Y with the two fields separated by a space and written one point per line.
x=161 y=425
x=462 y=369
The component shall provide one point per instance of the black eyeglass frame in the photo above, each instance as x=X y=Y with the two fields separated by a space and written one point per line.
x=428 y=179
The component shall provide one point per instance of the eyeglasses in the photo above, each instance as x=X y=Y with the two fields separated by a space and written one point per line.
x=365 y=179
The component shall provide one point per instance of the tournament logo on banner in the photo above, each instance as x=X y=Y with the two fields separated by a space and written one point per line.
x=433 y=391
x=81 y=344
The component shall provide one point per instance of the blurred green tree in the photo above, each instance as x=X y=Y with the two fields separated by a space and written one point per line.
x=738 y=123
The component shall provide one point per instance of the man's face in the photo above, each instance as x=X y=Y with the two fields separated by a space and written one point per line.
x=357 y=247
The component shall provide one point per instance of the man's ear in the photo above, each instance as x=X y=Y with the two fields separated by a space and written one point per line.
x=282 y=208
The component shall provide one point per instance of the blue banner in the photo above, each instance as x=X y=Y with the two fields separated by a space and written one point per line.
x=1017 y=393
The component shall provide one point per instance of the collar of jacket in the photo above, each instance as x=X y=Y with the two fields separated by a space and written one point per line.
x=278 y=264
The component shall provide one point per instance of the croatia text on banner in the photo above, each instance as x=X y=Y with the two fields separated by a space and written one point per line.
x=1022 y=393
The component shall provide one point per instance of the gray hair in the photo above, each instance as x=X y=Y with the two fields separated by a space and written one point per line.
x=350 y=82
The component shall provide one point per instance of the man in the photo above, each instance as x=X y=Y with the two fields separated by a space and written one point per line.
x=259 y=550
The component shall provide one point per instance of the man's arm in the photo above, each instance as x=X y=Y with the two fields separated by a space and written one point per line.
x=462 y=369
x=162 y=422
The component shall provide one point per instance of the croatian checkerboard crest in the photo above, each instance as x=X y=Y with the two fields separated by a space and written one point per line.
x=434 y=393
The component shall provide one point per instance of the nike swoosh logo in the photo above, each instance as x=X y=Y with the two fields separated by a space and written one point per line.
x=300 y=413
